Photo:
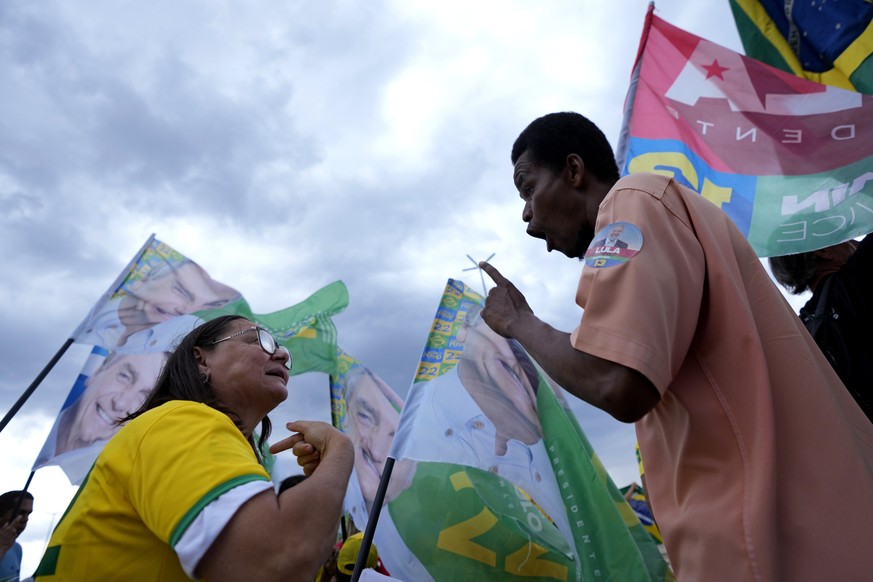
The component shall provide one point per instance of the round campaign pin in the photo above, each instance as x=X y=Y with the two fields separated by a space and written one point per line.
x=614 y=245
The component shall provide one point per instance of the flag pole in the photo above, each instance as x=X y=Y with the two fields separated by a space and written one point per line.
x=30 y=389
x=48 y=367
x=366 y=542
x=624 y=133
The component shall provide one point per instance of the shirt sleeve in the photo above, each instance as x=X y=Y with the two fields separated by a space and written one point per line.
x=210 y=522
x=643 y=313
x=189 y=457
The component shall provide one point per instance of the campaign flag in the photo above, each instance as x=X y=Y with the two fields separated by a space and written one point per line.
x=825 y=42
x=306 y=329
x=789 y=160
x=494 y=479
x=160 y=297
x=338 y=407
x=153 y=302
x=353 y=381
x=367 y=409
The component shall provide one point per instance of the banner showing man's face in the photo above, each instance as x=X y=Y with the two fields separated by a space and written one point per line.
x=501 y=381
x=171 y=290
x=372 y=417
x=117 y=388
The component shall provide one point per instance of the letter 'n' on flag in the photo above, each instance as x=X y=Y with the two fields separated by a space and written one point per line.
x=790 y=161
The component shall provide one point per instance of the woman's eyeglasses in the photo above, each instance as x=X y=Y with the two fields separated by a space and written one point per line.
x=267 y=341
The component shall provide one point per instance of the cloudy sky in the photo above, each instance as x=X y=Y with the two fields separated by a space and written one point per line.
x=283 y=146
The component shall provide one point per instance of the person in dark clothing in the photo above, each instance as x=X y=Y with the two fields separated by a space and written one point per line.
x=840 y=312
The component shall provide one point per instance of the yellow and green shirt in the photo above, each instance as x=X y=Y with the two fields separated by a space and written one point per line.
x=150 y=483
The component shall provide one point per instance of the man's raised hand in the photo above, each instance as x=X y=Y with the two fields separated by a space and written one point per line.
x=505 y=304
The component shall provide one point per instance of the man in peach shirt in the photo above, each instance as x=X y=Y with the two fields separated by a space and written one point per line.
x=759 y=463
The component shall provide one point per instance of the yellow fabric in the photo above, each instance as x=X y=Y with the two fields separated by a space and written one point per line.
x=149 y=483
x=348 y=554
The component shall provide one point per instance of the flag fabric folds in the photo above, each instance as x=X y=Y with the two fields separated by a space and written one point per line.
x=160 y=297
x=826 y=42
x=306 y=329
x=789 y=160
x=367 y=409
x=494 y=479
x=153 y=302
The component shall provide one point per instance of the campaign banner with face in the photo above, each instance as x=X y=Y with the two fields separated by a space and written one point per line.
x=790 y=161
x=152 y=303
x=110 y=386
x=160 y=297
x=367 y=409
x=494 y=479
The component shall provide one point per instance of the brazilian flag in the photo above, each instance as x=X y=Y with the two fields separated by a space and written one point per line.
x=826 y=42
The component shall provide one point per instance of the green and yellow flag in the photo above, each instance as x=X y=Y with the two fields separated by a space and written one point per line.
x=494 y=478
x=306 y=329
x=826 y=42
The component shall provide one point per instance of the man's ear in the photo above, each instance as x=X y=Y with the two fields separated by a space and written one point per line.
x=574 y=170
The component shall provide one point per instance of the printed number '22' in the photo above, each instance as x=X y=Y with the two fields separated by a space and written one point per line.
x=458 y=539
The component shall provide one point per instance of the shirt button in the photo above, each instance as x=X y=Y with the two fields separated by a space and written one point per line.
x=538 y=477
x=478 y=424
x=449 y=432
x=493 y=469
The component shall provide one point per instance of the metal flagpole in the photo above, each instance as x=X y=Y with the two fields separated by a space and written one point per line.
x=367 y=541
x=30 y=389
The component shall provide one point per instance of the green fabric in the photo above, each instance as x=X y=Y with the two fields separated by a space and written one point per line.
x=49 y=562
x=609 y=536
x=755 y=43
x=464 y=523
x=216 y=492
x=306 y=329
x=862 y=77
x=479 y=527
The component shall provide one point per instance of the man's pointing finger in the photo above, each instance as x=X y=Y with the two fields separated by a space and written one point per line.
x=495 y=275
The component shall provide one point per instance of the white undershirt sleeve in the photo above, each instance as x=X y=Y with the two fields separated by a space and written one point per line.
x=211 y=521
